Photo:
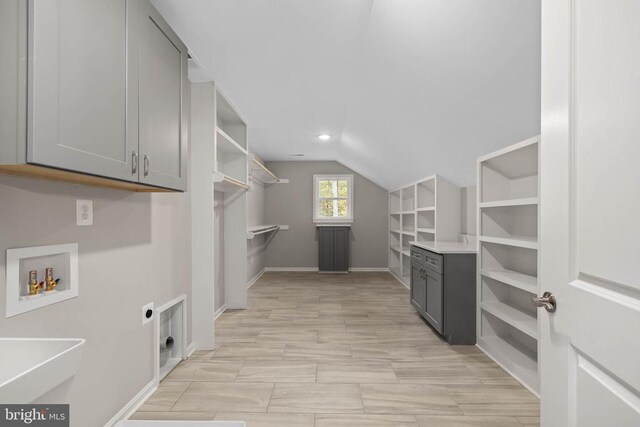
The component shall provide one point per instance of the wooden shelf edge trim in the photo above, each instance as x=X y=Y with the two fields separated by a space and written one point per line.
x=59 y=175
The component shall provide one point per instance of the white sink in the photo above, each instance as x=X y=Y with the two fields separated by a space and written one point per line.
x=30 y=367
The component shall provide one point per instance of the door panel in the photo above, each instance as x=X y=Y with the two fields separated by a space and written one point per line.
x=418 y=289
x=79 y=105
x=589 y=211
x=325 y=248
x=163 y=87
x=434 y=300
x=341 y=249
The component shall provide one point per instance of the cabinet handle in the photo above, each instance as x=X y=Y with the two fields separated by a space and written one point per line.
x=146 y=165
x=134 y=162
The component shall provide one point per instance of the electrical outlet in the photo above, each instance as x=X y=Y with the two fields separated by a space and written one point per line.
x=84 y=212
x=148 y=312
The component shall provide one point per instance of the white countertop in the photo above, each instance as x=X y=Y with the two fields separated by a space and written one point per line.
x=447 y=247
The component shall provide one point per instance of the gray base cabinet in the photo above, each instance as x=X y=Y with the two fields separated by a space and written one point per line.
x=443 y=291
x=333 y=249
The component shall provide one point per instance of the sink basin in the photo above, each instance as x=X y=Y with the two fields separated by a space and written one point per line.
x=30 y=367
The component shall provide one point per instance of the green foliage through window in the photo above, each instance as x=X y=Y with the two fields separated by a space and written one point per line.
x=333 y=197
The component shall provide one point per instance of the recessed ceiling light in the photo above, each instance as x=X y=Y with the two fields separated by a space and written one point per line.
x=324 y=137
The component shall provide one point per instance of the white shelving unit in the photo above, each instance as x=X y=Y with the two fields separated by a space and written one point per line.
x=426 y=210
x=231 y=154
x=257 y=230
x=262 y=174
x=508 y=259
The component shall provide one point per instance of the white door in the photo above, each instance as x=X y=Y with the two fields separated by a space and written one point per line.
x=590 y=213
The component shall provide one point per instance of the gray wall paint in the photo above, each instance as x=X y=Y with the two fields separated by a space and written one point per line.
x=137 y=251
x=468 y=210
x=292 y=204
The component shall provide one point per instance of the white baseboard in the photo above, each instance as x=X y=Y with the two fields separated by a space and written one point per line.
x=219 y=312
x=255 y=279
x=315 y=269
x=398 y=279
x=189 y=350
x=133 y=405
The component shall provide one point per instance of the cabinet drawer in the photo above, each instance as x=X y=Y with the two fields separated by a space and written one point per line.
x=417 y=255
x=433 y=261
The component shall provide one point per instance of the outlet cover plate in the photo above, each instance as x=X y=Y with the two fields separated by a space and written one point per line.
x=145 y=308
x=84 y=212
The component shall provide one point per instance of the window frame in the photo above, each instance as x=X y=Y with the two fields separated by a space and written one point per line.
x=316 y=199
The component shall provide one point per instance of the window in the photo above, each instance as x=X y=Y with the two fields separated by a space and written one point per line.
x=333 y=198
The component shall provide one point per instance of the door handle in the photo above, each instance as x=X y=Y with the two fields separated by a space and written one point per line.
x=547 y=300
x=134 y=162
x=146 y=165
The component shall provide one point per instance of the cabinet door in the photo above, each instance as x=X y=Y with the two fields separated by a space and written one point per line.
x=341 y=249
x=163 y=102
x=325 y=248
x=435 y=300
x=82 y=116
x=418 y=288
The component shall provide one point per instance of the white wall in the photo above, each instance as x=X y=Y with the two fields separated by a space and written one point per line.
x=468 y=206
x=137 y=251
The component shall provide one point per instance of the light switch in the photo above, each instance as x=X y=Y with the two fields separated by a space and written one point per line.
x=84 y=212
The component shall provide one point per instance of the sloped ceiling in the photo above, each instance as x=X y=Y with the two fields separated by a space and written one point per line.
x=407 y=88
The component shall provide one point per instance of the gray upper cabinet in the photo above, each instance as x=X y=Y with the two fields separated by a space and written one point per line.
x=82 y=114
x=105 y=89
x=163 y=86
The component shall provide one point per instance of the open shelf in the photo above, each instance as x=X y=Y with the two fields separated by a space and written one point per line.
x=426 y=219
x=394 y=222
x=517 y=359
x=511 y=348
x=395 y=262
x=515 y=241
x=425 y=236
x=257 y=230
x=517 y=262
x=508 y=207
x=509 y=221
x=394 y=202
x=227 y=184
x=227 y=145
x=408 y=222
x=261 y=173
x=519 y=319
x=229 y=121
x=511 y=173
x=509 y=202
x=408 y=199
x=522 y=281
x=425 y=211
x=406 y=268
x=426 y=193
x=406 y=246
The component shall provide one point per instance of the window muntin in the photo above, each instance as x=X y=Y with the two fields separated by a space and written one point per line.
x=333 y=196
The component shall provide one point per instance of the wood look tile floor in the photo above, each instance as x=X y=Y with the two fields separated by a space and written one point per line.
x=337 y=350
